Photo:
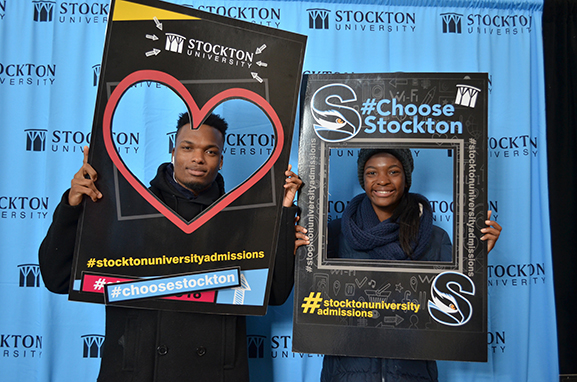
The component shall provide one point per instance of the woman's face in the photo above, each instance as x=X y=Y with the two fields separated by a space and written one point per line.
x=384 y=183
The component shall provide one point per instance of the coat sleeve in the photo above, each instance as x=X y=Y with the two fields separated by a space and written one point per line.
x=284 y=266
x=57 y=249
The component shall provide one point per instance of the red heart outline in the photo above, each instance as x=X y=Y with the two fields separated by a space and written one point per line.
x=196 y=115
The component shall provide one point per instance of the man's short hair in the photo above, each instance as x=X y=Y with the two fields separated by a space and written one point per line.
x=213 y=120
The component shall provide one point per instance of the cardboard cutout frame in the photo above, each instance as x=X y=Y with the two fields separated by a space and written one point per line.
x=381 y=308
x=151 y=41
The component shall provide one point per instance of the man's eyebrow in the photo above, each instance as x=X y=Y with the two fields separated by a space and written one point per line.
x=194 y=143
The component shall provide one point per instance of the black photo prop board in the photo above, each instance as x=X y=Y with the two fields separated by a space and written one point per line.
x=393 y=309
x=131 y=246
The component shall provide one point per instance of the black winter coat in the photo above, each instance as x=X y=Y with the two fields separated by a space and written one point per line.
x=363 y=369
x=153 y=345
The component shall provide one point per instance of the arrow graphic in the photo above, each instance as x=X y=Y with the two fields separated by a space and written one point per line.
x=158 y=23
x=396 y=319
x=151 y=37
x=256 y=77
x=260 y=63
x=153 y=52
x=260 y=49
x=240 y=291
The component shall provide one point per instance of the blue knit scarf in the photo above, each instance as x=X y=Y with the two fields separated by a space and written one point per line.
x=380 y=240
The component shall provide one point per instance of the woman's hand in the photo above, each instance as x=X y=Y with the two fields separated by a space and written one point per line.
x=491 y=232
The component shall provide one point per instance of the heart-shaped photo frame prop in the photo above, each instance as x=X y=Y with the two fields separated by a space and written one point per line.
x=197 y=115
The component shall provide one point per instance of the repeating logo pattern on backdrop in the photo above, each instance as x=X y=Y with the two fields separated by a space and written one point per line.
x=74 y=141
x=363 y=21
x=516 y=275
x=477 y=23
x=270 y=17
x=513 y=146
x=43 y=11
x=279 y=346
x=20 y=345
x=95 y=74
x=46 y=11
x=255 y=346
x=318 y=18
x=23 y=207
x=496 y=342
x=29 y=73
x=239 y=144
x=35 y=139
x=92 y=345
x=29 y=275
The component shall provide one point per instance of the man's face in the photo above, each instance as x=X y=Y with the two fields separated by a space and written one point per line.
x=384 y=183
x=197 y=156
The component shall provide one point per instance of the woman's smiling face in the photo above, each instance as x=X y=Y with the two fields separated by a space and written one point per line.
x=384 y=179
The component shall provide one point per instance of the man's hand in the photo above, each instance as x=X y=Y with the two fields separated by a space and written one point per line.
x=83 y=183
x=292 y=184
x=491 y=232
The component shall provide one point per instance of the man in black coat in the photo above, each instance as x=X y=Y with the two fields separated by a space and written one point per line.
x=157 y=345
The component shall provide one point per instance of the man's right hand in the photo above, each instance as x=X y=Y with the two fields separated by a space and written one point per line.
x=83 y=183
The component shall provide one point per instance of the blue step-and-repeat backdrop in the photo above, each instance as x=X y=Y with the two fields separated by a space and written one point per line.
x=50 y=53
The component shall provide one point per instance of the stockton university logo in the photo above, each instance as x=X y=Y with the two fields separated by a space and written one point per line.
x=486 y=23
x=35 y=139
x=452 y=22
x=29 y=275
x=85 y=12
x=255 y=346
x=206 y=50
x=74 y=141
x=467 y=95
x=318 y=18
x=92 y=345
x=174 y=42
x=95 y=74
x=43 y=11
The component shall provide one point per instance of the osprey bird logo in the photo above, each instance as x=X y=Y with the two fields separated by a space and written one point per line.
x=335 y=122
x=450 y=293
x=331 y=119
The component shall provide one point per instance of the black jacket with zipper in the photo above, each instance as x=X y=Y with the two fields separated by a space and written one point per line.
x=156 y=345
